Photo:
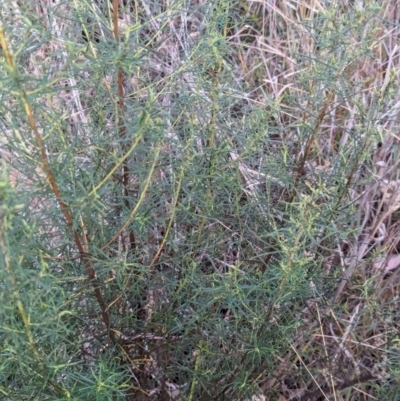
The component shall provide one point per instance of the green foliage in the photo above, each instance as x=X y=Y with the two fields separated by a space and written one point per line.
x=165 y=233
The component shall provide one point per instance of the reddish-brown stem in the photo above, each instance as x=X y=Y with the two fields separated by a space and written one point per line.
x=121 y=125
x=53 y=184
x=318 y=123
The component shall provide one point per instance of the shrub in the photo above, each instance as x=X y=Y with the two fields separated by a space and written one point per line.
x=199 y=201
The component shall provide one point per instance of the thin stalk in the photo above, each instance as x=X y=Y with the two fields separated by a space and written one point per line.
x=310 y=141
x=122 y=125
x=54 y=186
x=210 y=143
x=171 y=219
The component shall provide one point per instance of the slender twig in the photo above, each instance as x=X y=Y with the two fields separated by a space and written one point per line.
x=54 y=186
x=122 y=125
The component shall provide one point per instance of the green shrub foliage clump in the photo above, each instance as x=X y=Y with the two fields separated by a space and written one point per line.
x=198 y=200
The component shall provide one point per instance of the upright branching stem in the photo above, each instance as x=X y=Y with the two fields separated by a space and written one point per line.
x=54 y=186
x=171 y=219
x=121 y=123
x=320 y=118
